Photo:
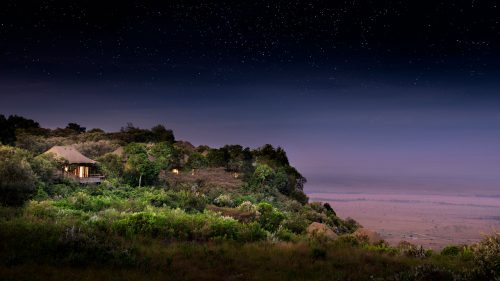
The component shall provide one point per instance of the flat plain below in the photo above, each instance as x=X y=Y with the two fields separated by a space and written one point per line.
x=433 y=221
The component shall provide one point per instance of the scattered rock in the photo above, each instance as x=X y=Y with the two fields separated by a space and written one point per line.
x=321 y=229
x=372 y=236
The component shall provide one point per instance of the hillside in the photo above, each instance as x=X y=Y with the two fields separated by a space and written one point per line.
x=167 y=210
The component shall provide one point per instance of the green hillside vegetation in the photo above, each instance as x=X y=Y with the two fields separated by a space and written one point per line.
x=231 y=213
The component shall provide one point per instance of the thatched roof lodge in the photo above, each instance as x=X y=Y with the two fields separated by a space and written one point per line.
x=76 y=164
x=70 y=155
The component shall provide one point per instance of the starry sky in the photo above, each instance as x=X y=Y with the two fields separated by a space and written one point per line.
x=402 y=94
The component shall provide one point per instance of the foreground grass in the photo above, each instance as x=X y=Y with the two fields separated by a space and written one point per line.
x=229 y=261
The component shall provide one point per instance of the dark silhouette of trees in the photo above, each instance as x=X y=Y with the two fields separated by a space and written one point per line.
x=75 y=127
x=158 y=133
x=161 y=134
x=11 y=126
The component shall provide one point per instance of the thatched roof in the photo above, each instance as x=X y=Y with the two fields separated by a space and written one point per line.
x=70 y=154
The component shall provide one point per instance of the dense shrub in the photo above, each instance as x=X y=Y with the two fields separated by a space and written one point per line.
x=139 y=169
x=486 y=259
x=224 y=200
x=17 y=180
x=296 y=223
x=196 y=161
x=111 y=166
x=164 y=155
x=429 y=272
x=270 y=218
x=47 y=168
x=412 y=250
x=285 y=234
x=176 y=224
x=60 y=244
x=451 y=250
x=60 y=190
x=188 y=201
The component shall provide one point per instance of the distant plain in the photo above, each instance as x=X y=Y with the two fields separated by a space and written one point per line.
x=432 y=217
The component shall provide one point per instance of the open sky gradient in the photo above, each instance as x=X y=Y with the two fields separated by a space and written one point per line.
x=360 y=93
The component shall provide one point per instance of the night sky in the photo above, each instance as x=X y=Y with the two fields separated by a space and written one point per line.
x=380 y=93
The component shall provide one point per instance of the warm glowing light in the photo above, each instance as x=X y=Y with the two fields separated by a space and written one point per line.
x=175 y=171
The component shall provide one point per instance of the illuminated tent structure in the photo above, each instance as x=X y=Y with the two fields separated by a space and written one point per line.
x=76 y=164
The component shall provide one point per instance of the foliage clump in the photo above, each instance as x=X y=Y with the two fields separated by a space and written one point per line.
x=17 y=180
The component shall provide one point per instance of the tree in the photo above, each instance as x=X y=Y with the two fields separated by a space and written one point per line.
x=139 y=168
x=75 y=127
x=217 y=158
x=47 y=167
x=160 y=134
x=197 y=161
x=164 y=155
x=17 y=180
x=9 y=126
x=131 y=134
x=111 y=165
x=263 y=173
x=273 y=157
x=280 y=181
x=7 y=135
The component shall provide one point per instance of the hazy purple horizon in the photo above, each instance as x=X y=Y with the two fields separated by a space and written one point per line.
x=377 y=137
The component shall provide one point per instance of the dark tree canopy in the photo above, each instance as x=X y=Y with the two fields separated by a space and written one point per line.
x=75 y=127
x=158 y=133
x=161 y=134
x=9 y=127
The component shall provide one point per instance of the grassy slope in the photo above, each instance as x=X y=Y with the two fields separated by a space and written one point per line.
x=230 y=261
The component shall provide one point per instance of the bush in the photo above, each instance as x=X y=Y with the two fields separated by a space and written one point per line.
x=270 y=218
x=244 y=198
x=348 y=239
x=17 y=180
x=47 y=168
x=412 y=250
x=263 y=173
x=285 y=234
x=59 y=190
x=223 y=200
x=111 y=166
x=188 y=201
x=296 y=223
x=451 y=250
x=300 y=196
x=196 y=161
x=144 y=223
x=429 y=272
x=224 y=228
x=251 y=232
x=382 y=247
x=486 y=259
